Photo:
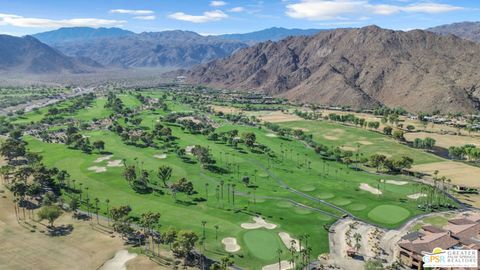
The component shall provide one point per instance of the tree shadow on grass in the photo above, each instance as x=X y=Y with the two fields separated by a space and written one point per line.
x=62 y=230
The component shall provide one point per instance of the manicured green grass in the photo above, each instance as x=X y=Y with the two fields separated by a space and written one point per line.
x=262 y=244
x=326 y=180
x=368 y=142
x=389 y=214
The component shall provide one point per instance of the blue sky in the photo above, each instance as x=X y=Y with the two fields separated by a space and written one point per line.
x=20 y=17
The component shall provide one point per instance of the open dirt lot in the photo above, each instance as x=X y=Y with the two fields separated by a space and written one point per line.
x=460 y=173
x=274 y=116
x=225 y=109
x=445 y=140
x=84 y=248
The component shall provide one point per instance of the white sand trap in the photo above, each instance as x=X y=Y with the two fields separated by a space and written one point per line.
x=119 y=262
x=161 y=156
x=97 y=169
x=284 y=265
x=287 y=241
x=395 y=182
x=365 y=142
x=102 y=159
x=189 y=149
x=115 y=163
x=271 y=135
x=259 y=223
x=230 y=244
x=370 y=189
x=416 y=196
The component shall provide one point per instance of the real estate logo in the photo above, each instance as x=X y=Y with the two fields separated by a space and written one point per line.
x=451 y=258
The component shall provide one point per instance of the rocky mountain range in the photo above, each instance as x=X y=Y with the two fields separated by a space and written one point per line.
x=465 y=30
x=154 y=49
x=273 y=34
x=28 y=55
x=362 y=68
x=79 y=34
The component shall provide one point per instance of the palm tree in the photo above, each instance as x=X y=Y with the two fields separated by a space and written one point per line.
x=203 y=226
x=279 y=253
x=96 y=209
x=107 y=201
x=216 y=231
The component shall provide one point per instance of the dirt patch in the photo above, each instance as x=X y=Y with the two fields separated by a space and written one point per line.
x=115 y=163
x=97 y=169
x=444 y=140
x=276 y=116
x=258 y=223
x=22 y=249
x=460 y=173
x=225 y=109
x=416 y=196
x=289 y=242
x=370 y=189
x=230 y=244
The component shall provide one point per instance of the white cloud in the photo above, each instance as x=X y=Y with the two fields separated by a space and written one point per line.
x=207 y=16
x=145 y=18
x=336 y=9
x=20 y=21
x=217 y=3
x=237 y=9
x=132 y=11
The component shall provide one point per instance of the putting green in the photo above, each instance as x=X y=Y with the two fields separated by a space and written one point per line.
x=357 y=207
x=341 y=201
x=302 y=211
x=325 y=195
x=262 y=244
x=284 y=204
x=307 y=188
x=389 y=214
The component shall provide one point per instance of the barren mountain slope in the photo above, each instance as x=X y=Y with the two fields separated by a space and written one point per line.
x=362 y=68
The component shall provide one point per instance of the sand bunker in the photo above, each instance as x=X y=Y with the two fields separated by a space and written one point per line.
x=115 y=163
x=365 y=142
x=160 y=156
x=348 y=148
x=97 y=169
x=395 y=182
x=189 y=149
x=284 y=265
x=287 y=241
x=271 y=135
x=330 y=138
x=259 y=223
x=230 y=244
x=370 y=189
x=416 y=196
x=102 y=159
x=119 y=262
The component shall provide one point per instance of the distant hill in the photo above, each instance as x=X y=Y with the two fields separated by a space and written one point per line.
x=361 y=68
x=465 y=30
x=28 y=55
x=152 y=49
x=69 y=34
x=273 y=34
